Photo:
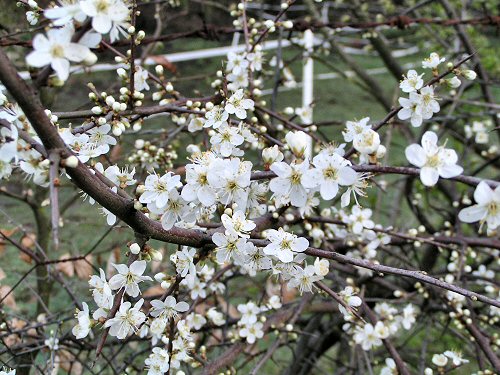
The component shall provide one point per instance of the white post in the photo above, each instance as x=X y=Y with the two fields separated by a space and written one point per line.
x=307 y=85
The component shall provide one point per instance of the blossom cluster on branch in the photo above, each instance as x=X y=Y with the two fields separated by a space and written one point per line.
x=258 y=194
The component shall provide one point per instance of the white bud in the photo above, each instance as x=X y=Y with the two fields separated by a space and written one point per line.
x=381 y=151
x=96 y=110
x=159 y=69
x=91 y=59
x=135 y=248
x=117 y=131
x=156 y=255
x=71 y=162
x=454 y=82
x=192 y=149
x=110 y=100
x=45 y=163
x=269 y=23
x=139 y=144
x=122 y=73
x=469 y=74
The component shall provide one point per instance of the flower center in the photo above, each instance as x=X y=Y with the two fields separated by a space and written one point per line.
x=330 y=173
x=57 y=51
x=295 y=178
x=493 y=208
x=130 y=278
x=202 y=179
x=232 y=185
x=285 y=245
x=160 y=187
x=433 y=161
x=102 y=6
x=174 y=205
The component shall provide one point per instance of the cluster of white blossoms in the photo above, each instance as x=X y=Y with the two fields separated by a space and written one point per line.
x=17 y=152
x=297 y=182
x=422 y=102
x=57 y=48
x=479 y=130
x=154 y=322
x=219 y=188
x=389 y=322
x=450 y=358
x=364 y=139
x=238 y=67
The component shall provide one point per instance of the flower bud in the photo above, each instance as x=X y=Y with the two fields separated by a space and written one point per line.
x=122 y=73
x=454 y=82
x=140 y=189
x=71 y=162
x=298 y=142
x=135 y=248
x=110 y=100
x=117 y=131
x=469 y=74
x=91 y=59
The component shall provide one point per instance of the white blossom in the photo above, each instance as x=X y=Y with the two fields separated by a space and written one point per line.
x=411 y=82
x=290 y=181
x=167 y=309
x=108 y=16
x=58 y=50
x=66 y=11
x=238 y=106
x=127 y=320
x=129 y=277
x=252 y=332
x=304 y=278
x=157 y=362
x=283 y=245
x=238 y=224
x=82 y=329
x=434 y=161
x=487 y=207
x=140 y=79
x=157 y=189
x=432 y=61
x=330 y=171
x=355 y=128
